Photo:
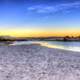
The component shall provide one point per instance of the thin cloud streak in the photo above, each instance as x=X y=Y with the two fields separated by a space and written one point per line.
x=53 y=8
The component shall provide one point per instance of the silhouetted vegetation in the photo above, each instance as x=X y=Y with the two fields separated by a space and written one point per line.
x=66 y=38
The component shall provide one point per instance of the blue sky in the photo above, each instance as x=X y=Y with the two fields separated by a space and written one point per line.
x=40 y=14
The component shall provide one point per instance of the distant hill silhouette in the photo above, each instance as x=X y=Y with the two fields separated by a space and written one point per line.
x=6 y=38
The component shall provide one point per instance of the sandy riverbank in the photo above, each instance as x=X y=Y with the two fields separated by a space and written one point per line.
x=35 y=62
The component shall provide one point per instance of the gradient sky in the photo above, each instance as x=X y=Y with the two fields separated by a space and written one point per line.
x=39 y=17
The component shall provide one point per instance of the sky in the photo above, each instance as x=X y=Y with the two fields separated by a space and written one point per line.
x=40 y=18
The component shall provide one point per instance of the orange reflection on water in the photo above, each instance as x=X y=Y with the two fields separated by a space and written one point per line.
x=58 y=46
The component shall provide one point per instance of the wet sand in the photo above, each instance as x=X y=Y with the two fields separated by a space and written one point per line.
x=35 y=62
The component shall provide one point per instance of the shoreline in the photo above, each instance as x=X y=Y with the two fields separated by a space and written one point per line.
x=51 y=46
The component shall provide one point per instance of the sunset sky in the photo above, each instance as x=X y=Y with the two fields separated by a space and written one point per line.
x=39 y=17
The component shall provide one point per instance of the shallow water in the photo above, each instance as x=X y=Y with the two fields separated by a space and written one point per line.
x=74 y=46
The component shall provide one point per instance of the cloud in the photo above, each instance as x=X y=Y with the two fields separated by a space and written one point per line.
x=54 y=8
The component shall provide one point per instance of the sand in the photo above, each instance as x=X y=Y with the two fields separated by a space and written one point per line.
x=35 y=62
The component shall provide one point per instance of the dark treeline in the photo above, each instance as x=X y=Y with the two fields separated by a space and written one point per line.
x=53 y=38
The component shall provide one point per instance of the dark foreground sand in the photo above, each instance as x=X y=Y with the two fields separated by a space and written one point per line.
x=34 y=62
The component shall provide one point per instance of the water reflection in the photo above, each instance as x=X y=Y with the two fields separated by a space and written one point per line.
x=74 y=46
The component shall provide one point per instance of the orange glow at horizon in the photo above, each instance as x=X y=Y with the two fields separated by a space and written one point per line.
x=39 y=32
